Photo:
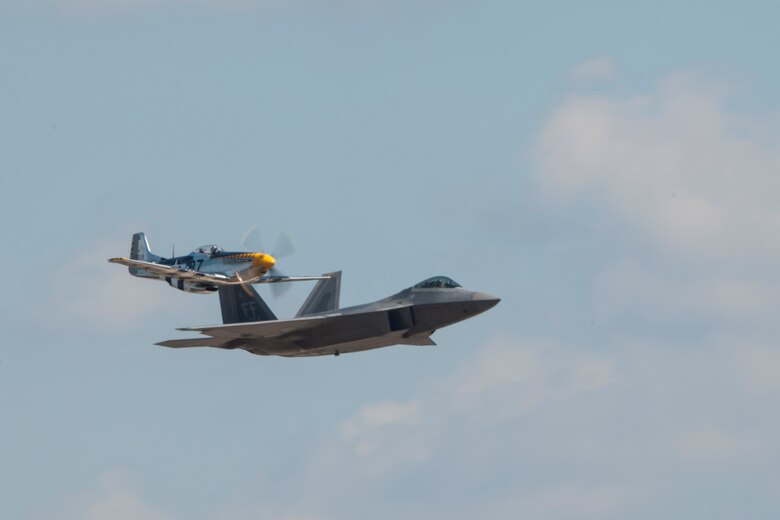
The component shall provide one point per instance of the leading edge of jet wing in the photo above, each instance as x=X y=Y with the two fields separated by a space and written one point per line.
x=224 y=336
x=257 y=330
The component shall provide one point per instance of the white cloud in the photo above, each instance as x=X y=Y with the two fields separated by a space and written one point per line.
x=87 y=294
x=567 y=501
x=697 y=443
x=99 y=6
x=760 y=366
x=546 y=430
x=634 y=426
x=634 y=287
x=689 y=188
x=504 y=380
x=378 y=415
x=674 y=162
x=598 y=68
x=116 y=499
x=535 y=429
x=525 y=372
x=113 y=497
x=114 y=7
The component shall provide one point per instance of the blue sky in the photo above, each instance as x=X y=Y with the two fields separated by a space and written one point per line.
x=610 y=170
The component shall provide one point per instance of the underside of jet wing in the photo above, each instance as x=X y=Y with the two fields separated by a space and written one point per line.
x=409 y=317
x=314 y=335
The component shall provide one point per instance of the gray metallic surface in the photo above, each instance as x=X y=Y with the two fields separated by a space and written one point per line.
x=408 y=317
x=238 y=306
x=323 y=297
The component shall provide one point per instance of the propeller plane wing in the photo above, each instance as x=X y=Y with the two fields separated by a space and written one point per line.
x=205 y=269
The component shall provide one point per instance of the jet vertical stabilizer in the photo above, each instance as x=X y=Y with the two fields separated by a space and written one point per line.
x=324 y=297
x=239 y=307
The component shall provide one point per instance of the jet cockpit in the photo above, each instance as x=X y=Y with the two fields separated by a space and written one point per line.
x=437 y=282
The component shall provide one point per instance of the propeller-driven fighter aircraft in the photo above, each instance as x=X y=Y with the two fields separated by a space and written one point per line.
x=320 y=328
x=206 y=269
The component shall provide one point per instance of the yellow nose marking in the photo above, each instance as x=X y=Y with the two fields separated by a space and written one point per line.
x=263 y=260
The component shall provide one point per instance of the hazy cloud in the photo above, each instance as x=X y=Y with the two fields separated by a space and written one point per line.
x=117 y=500
x=90 y=294
x=547 y=430
x=599 y=68
x=113 y=497
x=675 y=162
x=377 y=415
x=531 y=428
x=685 y=177
x=641 y=425
x=114 y=7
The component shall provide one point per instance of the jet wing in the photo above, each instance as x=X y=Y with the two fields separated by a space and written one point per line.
x=195 y=342
x=231 y=336
x=261 y=329
x=293 y=336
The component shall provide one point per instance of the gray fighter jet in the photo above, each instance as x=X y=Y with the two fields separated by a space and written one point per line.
x=320 y=328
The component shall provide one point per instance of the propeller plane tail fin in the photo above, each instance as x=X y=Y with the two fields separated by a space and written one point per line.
x=139 y=250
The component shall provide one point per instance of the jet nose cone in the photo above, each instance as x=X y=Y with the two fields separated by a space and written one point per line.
x=485 y=300
x=263 y=260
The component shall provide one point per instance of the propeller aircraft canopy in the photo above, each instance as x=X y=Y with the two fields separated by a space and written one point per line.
x=205 y=269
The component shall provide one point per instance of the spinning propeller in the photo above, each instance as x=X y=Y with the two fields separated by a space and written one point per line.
x=283 y=248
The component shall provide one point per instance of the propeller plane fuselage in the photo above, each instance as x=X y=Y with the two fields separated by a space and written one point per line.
x=203 y=270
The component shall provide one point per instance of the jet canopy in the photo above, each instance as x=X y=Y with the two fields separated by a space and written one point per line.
x=209 y=249
x=437 y=282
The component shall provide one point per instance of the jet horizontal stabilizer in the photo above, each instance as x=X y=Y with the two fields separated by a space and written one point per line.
x=192 y=342
x=420 y=340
